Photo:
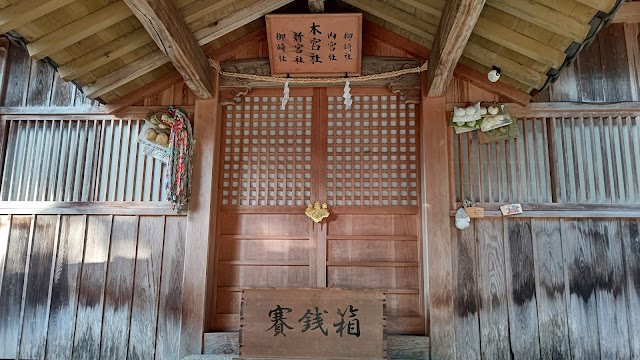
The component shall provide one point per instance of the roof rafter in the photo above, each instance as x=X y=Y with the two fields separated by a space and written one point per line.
x=456 y=24
x=175 y=39
x=78 y=30
x=131 y=41
x=156 y=59
x=22 y=12
x=544 y=17
x=500 y=34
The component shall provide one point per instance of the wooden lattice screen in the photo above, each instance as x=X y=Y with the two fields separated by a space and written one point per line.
x=372 y=152
x=580 y=160
x=267 y=152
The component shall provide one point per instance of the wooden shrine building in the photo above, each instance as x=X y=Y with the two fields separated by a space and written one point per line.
x=96 y=264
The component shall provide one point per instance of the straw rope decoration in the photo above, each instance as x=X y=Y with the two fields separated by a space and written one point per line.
x=307 y=80
x=180 y=167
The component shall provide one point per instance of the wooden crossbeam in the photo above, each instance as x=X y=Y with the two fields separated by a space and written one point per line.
x=22 y=12
x=204 y=36
x=78 y=30
x=174 y=38
x=544 y=17
x=456 y=24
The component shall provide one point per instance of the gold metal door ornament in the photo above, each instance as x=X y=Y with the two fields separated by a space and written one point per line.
x=317 y=213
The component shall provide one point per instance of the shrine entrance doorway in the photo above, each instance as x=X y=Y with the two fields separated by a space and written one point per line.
x=363 y=162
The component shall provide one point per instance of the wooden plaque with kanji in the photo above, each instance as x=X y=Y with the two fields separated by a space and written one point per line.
x=315 y=44
x=312 y=323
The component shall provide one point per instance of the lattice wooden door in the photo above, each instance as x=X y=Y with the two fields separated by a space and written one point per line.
x=363 y=162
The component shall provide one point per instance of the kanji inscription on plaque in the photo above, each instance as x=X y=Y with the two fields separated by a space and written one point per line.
x=314 y=44
x=313 y=323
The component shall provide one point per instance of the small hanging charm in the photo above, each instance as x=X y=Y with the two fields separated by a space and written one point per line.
x=285 y=96
x=347 y=96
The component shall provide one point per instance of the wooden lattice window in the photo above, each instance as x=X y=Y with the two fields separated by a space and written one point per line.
x=267 y=152
x=76 y=158
x=579 y=160
x=372 y=152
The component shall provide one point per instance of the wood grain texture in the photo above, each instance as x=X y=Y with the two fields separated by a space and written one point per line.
x=201 y=225
x=610 y=290
x=579 y=270
x=494 y=325
x=146 y=287
x=456 y=24
x=22 y=12
x=522 y=302
x=550 y=288
x=175 y=39
x=170 y=307
x=630 y=234
x=87 y=336
x=119 y=287
x=66 y=283
x=438 y=276
x=13 y=286
x=465 y=277
x=78 y=30
x=36 y=311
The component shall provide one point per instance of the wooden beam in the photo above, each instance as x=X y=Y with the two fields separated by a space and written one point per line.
x=456 y=24
x=406 y=85
x=201 y=222
x=507 y=37
x=204 y=36
x=462 y=71
x=174 y=38
x=78 y=30
x=22 y=12
x=628 y=13
x=436 y=242
x=545 y=17
x=144 y=92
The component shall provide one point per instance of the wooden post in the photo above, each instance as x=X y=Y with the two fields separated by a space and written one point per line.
x=201 y=221
x=436 y=241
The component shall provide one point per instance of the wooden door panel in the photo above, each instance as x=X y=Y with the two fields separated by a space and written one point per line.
x=255 y=225
x=373 y=277
x=385 y=250
x=363 y=162
x=251 y=250
x=373 y=225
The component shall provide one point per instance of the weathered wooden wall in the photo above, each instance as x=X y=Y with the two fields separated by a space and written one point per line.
x=606 y=71
x=90 y=286
x=547 y=288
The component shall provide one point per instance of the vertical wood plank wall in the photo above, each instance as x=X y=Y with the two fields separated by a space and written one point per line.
x=606 y=71
x=85 y=286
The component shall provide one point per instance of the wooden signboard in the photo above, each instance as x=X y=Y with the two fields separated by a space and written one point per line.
x=315 y=44
x=312 y=323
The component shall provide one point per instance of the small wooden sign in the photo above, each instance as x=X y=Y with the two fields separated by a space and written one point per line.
x=312 y=323
x=315 y=44
x=475 y=212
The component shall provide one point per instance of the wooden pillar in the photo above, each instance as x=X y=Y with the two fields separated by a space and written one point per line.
x=436 y=241
x=201 y=222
